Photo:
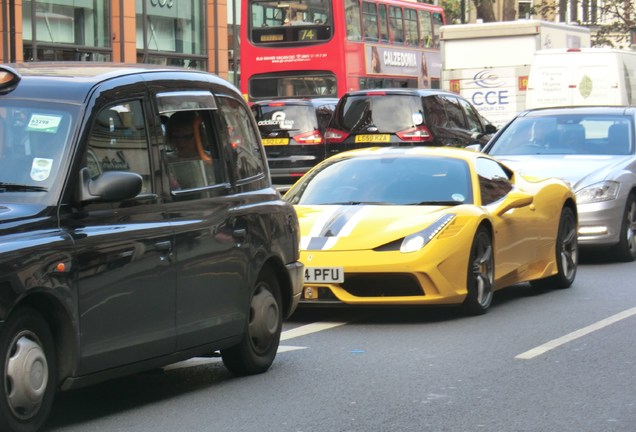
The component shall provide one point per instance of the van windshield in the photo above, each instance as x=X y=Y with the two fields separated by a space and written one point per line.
x=382 y=113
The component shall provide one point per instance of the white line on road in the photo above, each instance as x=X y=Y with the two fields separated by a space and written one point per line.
x=289 y=334
x=555 y=343
x=308 y=329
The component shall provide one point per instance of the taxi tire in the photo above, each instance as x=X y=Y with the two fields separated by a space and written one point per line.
x=26 y=343
x=257 y=350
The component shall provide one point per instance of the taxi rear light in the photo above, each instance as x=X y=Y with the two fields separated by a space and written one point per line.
x=275 y=104
x=312 y=137
x=376 y=93
x=416 y=134
x=335 y=136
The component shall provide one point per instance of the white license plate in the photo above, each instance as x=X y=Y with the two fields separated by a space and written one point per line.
x=324 y=274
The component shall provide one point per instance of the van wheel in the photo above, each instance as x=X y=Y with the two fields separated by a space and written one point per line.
x=626 y=248
x=256 y=352
x=27 y=362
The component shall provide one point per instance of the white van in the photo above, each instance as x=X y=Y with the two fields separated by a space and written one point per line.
x=586 y=76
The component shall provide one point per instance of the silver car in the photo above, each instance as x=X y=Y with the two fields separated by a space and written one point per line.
x=593 y=149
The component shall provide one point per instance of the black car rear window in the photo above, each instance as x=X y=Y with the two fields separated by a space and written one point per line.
x=387 y=113
x=293 y=119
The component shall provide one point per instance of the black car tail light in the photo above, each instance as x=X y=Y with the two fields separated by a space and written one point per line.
x=311 y=137
x=335 y=136
x=416 y=134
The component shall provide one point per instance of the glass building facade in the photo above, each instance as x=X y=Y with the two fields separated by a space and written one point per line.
x=187 y=33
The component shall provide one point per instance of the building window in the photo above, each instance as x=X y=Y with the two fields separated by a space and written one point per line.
x=171 y=32
x=62 y=30
x=525 y=9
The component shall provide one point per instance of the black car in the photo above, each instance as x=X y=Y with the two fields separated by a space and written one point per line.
x=292 y=131
x=404 y=117
x=108 y=267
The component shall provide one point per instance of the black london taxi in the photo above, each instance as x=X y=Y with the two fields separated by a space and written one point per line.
x=121 y=252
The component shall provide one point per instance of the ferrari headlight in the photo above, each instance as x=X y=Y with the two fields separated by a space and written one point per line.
x=602 y=191
x=417 y=241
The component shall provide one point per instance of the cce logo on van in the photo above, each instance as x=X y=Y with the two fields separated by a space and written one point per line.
x=491 y=93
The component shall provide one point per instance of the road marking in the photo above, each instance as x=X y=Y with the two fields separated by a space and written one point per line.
x=555 y=343
x=308 y=329
x=289 y=334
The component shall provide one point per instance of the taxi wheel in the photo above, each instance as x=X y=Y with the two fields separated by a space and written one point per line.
x=567 y=254
x=28 y=367
x=626 y=249
x=481 y=274
x=256 y=352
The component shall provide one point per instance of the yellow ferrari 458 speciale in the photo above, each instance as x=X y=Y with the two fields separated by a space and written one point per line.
x=430 y=225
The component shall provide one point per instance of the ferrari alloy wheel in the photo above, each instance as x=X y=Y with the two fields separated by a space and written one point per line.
x=256 y=352
x=481 y=271
x=626 y=249
x=28 y=372
x=567 y=254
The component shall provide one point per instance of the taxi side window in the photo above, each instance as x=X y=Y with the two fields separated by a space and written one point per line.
x=118 y=142
x=248 y=156
x=192 y=157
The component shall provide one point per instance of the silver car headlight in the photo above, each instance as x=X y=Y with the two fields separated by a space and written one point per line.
x=415 y=242
x=602 y=191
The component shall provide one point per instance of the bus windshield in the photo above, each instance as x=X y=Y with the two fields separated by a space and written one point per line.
x=289 y=22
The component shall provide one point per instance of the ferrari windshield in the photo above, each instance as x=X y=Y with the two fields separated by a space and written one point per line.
x=595 y=134
x=385 y=180
x=33 y=140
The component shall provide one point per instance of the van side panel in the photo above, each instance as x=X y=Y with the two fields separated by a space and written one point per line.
x=593 y=76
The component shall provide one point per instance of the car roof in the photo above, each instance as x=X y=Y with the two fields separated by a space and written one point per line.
x=299 y=101
x=401 y=91
x=72 y=81
x=613 y=110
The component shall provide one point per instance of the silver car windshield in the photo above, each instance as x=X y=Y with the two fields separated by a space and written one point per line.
x=567 y=134
x=33 y=140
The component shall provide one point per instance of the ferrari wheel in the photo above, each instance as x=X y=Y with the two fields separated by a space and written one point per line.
x=256 y=352
x=481 y=270
x=626 y=248
x=27 y=362
x=567 y=254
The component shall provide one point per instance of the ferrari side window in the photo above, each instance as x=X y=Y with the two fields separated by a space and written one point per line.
x=494 y=182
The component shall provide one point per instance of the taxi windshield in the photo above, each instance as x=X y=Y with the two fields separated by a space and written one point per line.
x=33 y=141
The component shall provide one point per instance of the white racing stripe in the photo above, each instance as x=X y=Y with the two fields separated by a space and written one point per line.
x=555 y=343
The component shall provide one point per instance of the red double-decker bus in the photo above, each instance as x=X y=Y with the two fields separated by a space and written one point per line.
x=318 y=48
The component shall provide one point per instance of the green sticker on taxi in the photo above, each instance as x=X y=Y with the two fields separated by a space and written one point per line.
x=44 y=123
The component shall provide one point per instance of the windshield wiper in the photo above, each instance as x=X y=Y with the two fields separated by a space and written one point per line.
x=438 y=203
x=13 y=187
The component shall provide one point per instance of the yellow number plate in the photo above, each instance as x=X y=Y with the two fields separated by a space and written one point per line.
x=275 y=141
x=373 y=138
